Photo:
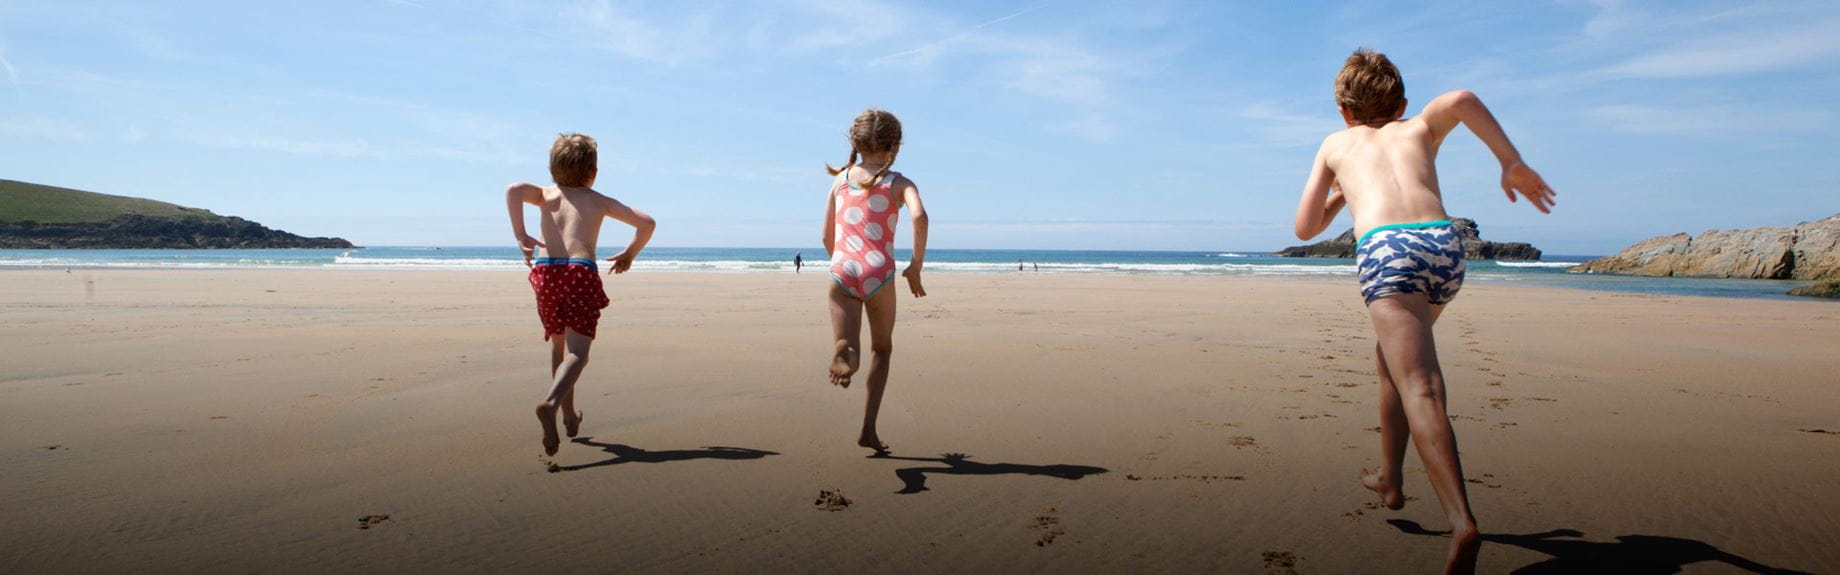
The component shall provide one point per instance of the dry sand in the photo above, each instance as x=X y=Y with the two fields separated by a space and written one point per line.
x=303 y=420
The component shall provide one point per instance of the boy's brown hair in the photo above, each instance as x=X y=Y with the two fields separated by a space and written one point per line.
x=1369 y=86
x=573 y=159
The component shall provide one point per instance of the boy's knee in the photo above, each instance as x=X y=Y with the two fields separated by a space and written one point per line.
x=577 y=358
x=882 y=349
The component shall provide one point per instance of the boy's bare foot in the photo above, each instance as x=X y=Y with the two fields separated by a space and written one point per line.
x=546 y=415
x=1390 y=494
x=1465 y=546
x=843 y=365
x=571 y=422
x=872 y=442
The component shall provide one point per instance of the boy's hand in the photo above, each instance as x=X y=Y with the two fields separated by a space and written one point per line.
x=913 y=281
x=1517 y=177
x=529 y=246
x=621 y=263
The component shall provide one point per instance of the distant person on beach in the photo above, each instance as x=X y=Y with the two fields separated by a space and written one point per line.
x=1410 y=261
x=1018 y=265
x=798 y=262
x=1037 y=266
x=862 y=210
x=567 y=285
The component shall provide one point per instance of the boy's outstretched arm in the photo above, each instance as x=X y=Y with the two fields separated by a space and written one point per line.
x=1321 y=202
x=1463 y=107
x=516 y=195
x=642 y=224
x=910 y=195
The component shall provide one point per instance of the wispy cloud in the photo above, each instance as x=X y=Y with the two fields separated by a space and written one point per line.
x=1277 y=127
x=44 y=128
x=1751 y=52
x=677 y=40
x=1707 y=120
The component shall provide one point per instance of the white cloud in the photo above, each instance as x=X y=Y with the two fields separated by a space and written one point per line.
x=1277 y=127
x=1751 y=51
x=1707 y=120
x=134 y=135
x=680 y=39
x=44 y=128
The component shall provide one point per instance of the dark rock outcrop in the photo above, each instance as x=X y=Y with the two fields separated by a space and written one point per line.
x=1808 y=251
x=1828 y=289
x=1474 y=247
x=131 y=231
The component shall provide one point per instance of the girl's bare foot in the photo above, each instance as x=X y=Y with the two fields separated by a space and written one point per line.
x=1390 y=494
x=571 y=422
x=1465 y=546
x=870 y=441
x=546 y=415
x=843 y=365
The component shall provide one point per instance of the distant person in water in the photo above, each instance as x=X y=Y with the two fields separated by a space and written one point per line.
x=1018 y=265
x=1037 y=266
x=798 y=262
x=862 y=210
x=1410 y=262
x=567 y=286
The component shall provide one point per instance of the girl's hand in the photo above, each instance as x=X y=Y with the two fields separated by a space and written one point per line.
x=621 y=263
x=913 y=281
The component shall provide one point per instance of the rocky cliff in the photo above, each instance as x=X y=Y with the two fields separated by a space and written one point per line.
x=1808 y=251
x=1474 y=246
x=138 y=231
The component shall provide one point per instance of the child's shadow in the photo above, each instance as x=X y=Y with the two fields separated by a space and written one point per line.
x=914 y=478
x=1630 y=554
x=630 y=454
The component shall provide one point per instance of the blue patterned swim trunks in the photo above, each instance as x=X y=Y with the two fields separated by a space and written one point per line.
x=1422 y=258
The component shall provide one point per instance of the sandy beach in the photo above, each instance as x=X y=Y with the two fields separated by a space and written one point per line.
x=270 y=420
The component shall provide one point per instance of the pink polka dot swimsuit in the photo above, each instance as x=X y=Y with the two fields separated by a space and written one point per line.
x=862 y=261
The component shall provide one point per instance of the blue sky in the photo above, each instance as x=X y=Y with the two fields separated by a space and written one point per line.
x=1059 y=125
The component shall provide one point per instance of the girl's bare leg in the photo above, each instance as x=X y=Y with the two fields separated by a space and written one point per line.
x=1403 y=324
x=846 y=325
x=881 y=308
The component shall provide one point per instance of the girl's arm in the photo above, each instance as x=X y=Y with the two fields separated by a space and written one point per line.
x=910 y=195
x=830 y=221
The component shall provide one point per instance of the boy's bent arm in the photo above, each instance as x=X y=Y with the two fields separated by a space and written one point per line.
x=1463 y=107
x=1317 y=209
x=516 y=195
x=643 y=226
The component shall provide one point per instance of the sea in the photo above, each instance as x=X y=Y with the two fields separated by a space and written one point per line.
x=1547 y=272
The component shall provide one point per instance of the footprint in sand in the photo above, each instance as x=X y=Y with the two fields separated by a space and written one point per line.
x=217 y=417
x=831 y=500
x=369 y=521
x=1816 y=430
x=1500 y=402
x=1049 y=526
x=1280 y=561
x=1243 y=441
x=57 y=447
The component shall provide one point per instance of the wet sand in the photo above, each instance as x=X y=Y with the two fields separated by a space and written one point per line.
x=308 y=420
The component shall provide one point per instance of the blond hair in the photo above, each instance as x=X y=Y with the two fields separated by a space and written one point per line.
x=1369 y=87
x=874 y=131
x=573 y=159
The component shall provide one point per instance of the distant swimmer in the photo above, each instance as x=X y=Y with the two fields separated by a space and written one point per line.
x=798 y=262
x=1037 y=266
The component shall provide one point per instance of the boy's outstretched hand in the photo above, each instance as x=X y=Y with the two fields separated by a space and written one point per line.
x=529 y=246
x=621 y=263
x=1517 y=177
x=913 y=281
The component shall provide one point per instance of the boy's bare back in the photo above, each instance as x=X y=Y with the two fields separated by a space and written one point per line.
x=571 y=219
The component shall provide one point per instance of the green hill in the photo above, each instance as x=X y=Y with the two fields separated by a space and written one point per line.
x=21 y=201
x=40 y=216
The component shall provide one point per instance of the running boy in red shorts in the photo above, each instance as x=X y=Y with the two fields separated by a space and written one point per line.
x=569 y=294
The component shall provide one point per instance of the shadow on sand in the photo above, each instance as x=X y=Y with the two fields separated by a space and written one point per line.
x=1630 y=554
x=913 y=479
x=630 y=454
